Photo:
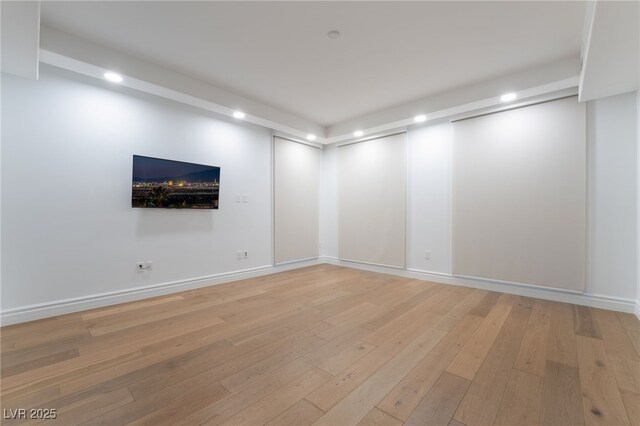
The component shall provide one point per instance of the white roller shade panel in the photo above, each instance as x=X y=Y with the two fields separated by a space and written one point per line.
x=296 y=192
x=519 y=182
x=371 y=201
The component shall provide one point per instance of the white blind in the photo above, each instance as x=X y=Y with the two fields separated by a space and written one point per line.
x=296 y=192
x=371 y=201
x=519 y=180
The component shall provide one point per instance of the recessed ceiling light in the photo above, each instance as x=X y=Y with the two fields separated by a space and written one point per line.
x=420 y=118
x=113 y=77
x=333 y=34
x=311 y=137
x=238 y=114
x=508 y=97
x=358 y=133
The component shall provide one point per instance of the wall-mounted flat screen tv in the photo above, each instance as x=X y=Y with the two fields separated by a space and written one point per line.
x=168 y=184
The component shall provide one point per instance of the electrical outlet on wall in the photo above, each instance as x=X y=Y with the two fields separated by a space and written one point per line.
x=427 y=254
x=246 y=254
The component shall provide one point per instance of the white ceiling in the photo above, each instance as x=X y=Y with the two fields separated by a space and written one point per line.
x=277 y=53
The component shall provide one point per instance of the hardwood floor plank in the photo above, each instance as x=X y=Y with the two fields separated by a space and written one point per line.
x=355 y=406
x=223 y=365
x=220 y=410
x=615 y=336
x=601 y=400
x=585 y=323
x=532 y=356
x=392 y=328
x=377 y=417
x=451 y=318
x=406 y=395
x=301 y=413
x=327 y=345
x=17 y=368
x=440 y=403
x=397 y=310
x=277 y=402
x=627 y=373
x=631 y=325
x=146 y=404
x=180 y=408
x=341 y=385
x=353 y=314
x=520 y=405
x=54 y=374
x=486 y=305
x=138 y=367
x=482 y=400
x=470 y=357
x=32 y=400
x=85 y=410
x=455 y=297
x=343 y=359
x=561 y=397
x=631 y=402
x=12 y=358
x=561 y=344
x=255 y=371
x=262 y=336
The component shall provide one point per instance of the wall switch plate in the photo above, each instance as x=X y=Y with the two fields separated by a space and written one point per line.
x=427 y=254
x=246 y=254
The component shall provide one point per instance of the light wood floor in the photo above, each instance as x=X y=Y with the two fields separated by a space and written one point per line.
x=328 y=346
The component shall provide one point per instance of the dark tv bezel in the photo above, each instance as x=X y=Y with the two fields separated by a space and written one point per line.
x=174 y=161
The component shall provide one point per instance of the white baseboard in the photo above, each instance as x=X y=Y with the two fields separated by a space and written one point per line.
x=637 y=309
x=539 y=292
x=67 y=306
x=76 y=304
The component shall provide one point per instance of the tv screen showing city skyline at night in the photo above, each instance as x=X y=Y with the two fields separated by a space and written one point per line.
x=159 y=183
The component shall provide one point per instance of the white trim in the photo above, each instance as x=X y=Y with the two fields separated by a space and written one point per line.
x=76 y=304
x=539 y=292
x=80 y=67
x=296 y=140
x=565 y=87
x=350 y=263
x=307 y=259
x=544 y=91
x=372 y=137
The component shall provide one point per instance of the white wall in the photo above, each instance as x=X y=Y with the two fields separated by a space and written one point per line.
x=329 y=202
x=429 y=198
x=611 y=196
x=68 y=229
x=611 y=209
x=638 y=205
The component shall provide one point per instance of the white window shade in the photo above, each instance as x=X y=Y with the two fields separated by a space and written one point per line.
x=519 y=182
x=371 y=201
x=296 y=192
